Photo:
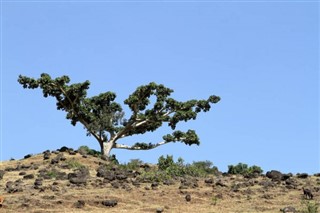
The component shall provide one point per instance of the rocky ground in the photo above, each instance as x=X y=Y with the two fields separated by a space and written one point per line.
x=70 y=181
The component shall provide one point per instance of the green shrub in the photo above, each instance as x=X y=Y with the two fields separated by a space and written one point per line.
x=179 y=169
x=243 y=169
x=52 y=174
x=134 y=164
x=310 y=207
x=73 y=164
x=165 y=162
x=86 y=150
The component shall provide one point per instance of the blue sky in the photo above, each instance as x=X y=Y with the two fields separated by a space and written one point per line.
x=260 y=57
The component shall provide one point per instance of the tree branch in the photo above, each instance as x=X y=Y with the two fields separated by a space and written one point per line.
x=139 y=147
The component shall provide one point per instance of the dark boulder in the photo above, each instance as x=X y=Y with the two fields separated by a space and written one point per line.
x=275 y=175
x=27 y=156
x=79 y=177
x=79 y=204
x=208 y=181
x=288 y=209
x=12 y=187
x=30 y=176
x=46 y=155
x=188 y=197
x=109 y=203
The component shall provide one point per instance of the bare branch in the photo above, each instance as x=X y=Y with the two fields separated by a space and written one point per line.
x=136 y=147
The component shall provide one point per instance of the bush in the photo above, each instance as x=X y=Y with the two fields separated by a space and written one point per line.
x=134 y=164
x=73 y=164
x=243 y=169
x=310 y=207
x=86 y=150
x=165 y=163
x=179 y=169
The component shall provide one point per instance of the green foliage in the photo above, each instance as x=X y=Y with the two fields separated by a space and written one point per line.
x=134 y=164
x=52 y=174
x=73 y=164
x=310 y=206
x=88 y=151
x=214 y=200
x=165 y=162
x=103 y=118
x=155 y=176
x=178 y=169
x=243 y=169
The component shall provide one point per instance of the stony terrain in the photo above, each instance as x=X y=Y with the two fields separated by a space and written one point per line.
x=70 y=181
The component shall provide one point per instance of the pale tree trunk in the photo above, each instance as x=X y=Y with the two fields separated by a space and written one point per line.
x=106 y=148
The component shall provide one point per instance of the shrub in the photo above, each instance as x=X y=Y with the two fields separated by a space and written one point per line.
x=134 y=164
x=165 y=163
x=310 y=207
x=243 y=169
x=178 y=169
x=86 y=150
x=73 y=164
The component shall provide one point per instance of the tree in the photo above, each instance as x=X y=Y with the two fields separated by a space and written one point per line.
x=103 y=118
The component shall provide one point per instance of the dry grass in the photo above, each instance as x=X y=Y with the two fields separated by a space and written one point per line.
x=207 y=199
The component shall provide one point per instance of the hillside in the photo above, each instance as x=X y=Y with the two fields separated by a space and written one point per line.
x=70 y=181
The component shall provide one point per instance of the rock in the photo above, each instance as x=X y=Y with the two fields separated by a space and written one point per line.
x=208 y=181
x=286 y=176
x=267 y=184
x=79 y=204
x=115 y=185
x=121 y=177
x=72 y=152
x=290 y=182
x=101 y=171
x=38 y=182
x=302 y=175
x=79 y=177
x=46 y=155
x=168 y=182
x=220 y=183
x=30 y=176
x=22 y=173
x=27 y=156
x=288 y=209
x=1 y=174
x=154 y=185
x=274 y=175
x=12 y=187
x=109 y=203
x=188 y=197
x=159 y=210
x=317 y=175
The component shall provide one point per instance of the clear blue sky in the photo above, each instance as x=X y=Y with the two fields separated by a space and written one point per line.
x=261 y=57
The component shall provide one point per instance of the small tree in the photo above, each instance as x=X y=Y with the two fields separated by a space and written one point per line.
x=103 y=118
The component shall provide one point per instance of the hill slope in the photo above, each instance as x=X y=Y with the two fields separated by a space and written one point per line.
x=67 y=181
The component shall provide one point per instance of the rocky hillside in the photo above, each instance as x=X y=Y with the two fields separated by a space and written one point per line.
x=73 y=181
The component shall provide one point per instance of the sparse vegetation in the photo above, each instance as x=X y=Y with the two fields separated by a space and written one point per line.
x=179 y=168
x=89 y=180
x=243 y=169
x=74 y=164
x=309 y=206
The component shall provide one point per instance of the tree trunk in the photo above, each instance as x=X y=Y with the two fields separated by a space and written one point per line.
x=105 y=149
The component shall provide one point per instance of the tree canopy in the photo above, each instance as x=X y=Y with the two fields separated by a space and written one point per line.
x=103 y=118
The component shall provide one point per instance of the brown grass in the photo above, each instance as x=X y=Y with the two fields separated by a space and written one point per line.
x=207 y=199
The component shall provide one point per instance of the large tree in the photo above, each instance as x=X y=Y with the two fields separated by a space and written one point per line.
x=103 y=118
